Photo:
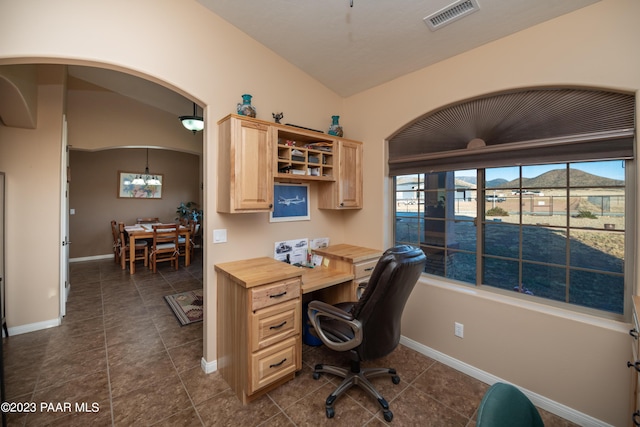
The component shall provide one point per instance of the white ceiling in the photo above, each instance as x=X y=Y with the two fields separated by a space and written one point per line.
x=351 y=49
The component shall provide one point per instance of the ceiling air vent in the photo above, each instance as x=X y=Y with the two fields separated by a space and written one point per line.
x=451 y=13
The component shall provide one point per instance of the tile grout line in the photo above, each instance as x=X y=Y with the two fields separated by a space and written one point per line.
x=106 y=351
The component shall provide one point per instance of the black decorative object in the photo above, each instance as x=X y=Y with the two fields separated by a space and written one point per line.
x=277 y=117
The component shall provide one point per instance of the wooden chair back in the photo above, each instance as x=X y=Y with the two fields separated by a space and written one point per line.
x=116 y=241
x=165 y=245
x=149 y=220
x=140 y=252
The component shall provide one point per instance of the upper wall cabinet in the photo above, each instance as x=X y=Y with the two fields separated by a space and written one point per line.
x=346 y=191
x=245 y=166
x=253 y=153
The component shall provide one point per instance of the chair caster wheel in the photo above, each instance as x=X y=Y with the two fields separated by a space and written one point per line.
x=331 y=412
x=395 y=379
x=316 y=375
x=388 y=416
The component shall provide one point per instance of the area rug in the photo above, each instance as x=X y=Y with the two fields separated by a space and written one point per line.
x=187 y=306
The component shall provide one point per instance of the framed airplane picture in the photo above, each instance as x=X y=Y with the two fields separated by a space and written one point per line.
x=290 y=203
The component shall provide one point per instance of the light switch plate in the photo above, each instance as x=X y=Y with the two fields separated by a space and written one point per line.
x=220 y=235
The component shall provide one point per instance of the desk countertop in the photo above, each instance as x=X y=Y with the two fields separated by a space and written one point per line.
x=258 y=271
x=349 y=253
x=322 y=277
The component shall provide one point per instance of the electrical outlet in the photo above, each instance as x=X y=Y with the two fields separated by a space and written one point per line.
x=458 y=330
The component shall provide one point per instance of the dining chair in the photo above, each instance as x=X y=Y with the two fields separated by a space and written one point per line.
x=165 y=246
x=116 y=241
x=182 y=240
x=148 y=220
x=140 y=252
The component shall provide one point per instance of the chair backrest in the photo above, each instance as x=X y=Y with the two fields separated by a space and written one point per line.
x=503 y=405
x=381 y=305
x=123 y=241
x=115 y=232
x=164 y=234
x=149 y=220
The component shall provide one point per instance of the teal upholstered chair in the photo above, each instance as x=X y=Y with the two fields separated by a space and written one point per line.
x=503 y=405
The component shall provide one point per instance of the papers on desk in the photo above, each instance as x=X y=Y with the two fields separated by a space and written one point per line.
x=291 y=251
x=319 y=243
x=298 y=251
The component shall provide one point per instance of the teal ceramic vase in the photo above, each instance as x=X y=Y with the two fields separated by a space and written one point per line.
x=246 y=109
x=335 y=128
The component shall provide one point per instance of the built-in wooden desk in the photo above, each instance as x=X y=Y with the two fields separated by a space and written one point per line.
x=259 y=318
x=315 y=279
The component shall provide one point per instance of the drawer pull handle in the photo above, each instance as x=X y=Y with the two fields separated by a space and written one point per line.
x=278 y=326
x=635 y=365
x=369 y=269
x=633 y=333
x=275 y=365
x=281 y=294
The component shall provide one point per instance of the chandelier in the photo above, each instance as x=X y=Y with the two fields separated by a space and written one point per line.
x=146 y=178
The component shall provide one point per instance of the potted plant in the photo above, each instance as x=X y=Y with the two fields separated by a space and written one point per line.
x=189 y=211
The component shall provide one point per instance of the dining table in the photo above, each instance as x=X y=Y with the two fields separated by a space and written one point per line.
x=145 y=231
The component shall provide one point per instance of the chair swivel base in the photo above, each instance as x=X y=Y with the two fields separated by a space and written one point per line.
x=356 y=376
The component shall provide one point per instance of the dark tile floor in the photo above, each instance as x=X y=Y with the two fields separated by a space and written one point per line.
x=121 y=351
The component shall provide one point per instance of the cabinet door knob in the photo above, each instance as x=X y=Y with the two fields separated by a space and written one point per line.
x=341 y=204
x=270 y=205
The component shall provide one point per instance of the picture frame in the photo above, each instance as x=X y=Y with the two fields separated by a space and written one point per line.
x=128 y=190
x=290 y=203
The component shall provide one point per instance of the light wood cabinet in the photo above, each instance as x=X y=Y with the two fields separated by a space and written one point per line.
x=252 y=154
x=357 y=260
x=245 y=166
x=259 y=324
x=346 y=191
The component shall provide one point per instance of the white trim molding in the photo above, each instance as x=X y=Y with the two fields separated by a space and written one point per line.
x=32 y=327
x=537 y=399
x=208 y=367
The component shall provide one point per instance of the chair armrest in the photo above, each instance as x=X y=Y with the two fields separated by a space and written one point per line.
x=318 y=310
x=330 y=309
x=360 y=289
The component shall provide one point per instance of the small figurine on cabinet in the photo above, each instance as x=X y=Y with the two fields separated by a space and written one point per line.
x=277 y=117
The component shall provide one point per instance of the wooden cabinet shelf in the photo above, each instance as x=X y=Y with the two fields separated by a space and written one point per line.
x=303 y=156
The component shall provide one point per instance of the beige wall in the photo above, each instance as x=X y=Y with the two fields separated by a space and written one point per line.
x=93 y=193
x=575 y=360
x=31 y=160
x=538 y=349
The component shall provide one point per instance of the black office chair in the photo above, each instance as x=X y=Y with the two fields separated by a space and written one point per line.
x=370 y=328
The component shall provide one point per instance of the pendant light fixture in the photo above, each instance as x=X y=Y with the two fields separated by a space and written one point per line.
x=146 y=178
x=193 y=123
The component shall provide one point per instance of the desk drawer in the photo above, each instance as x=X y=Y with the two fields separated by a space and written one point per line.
x=275 y=323
x=273 y=363
x=274 y=293
x=365 y=268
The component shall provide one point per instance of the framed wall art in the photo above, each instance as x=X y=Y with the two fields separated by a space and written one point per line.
x=128 y=190
x=290 y=203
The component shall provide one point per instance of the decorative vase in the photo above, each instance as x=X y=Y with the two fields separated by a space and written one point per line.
x=335 y=128
x=246 y=109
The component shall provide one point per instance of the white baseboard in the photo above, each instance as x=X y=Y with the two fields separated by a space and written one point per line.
x=32 y=327
x=91 y=258
x=208 y=367
x=538 y=400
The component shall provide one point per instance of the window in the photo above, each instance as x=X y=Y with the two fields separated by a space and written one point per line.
x=551 y=231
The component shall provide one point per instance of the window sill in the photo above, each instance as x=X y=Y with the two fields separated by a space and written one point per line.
x=617 y=325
